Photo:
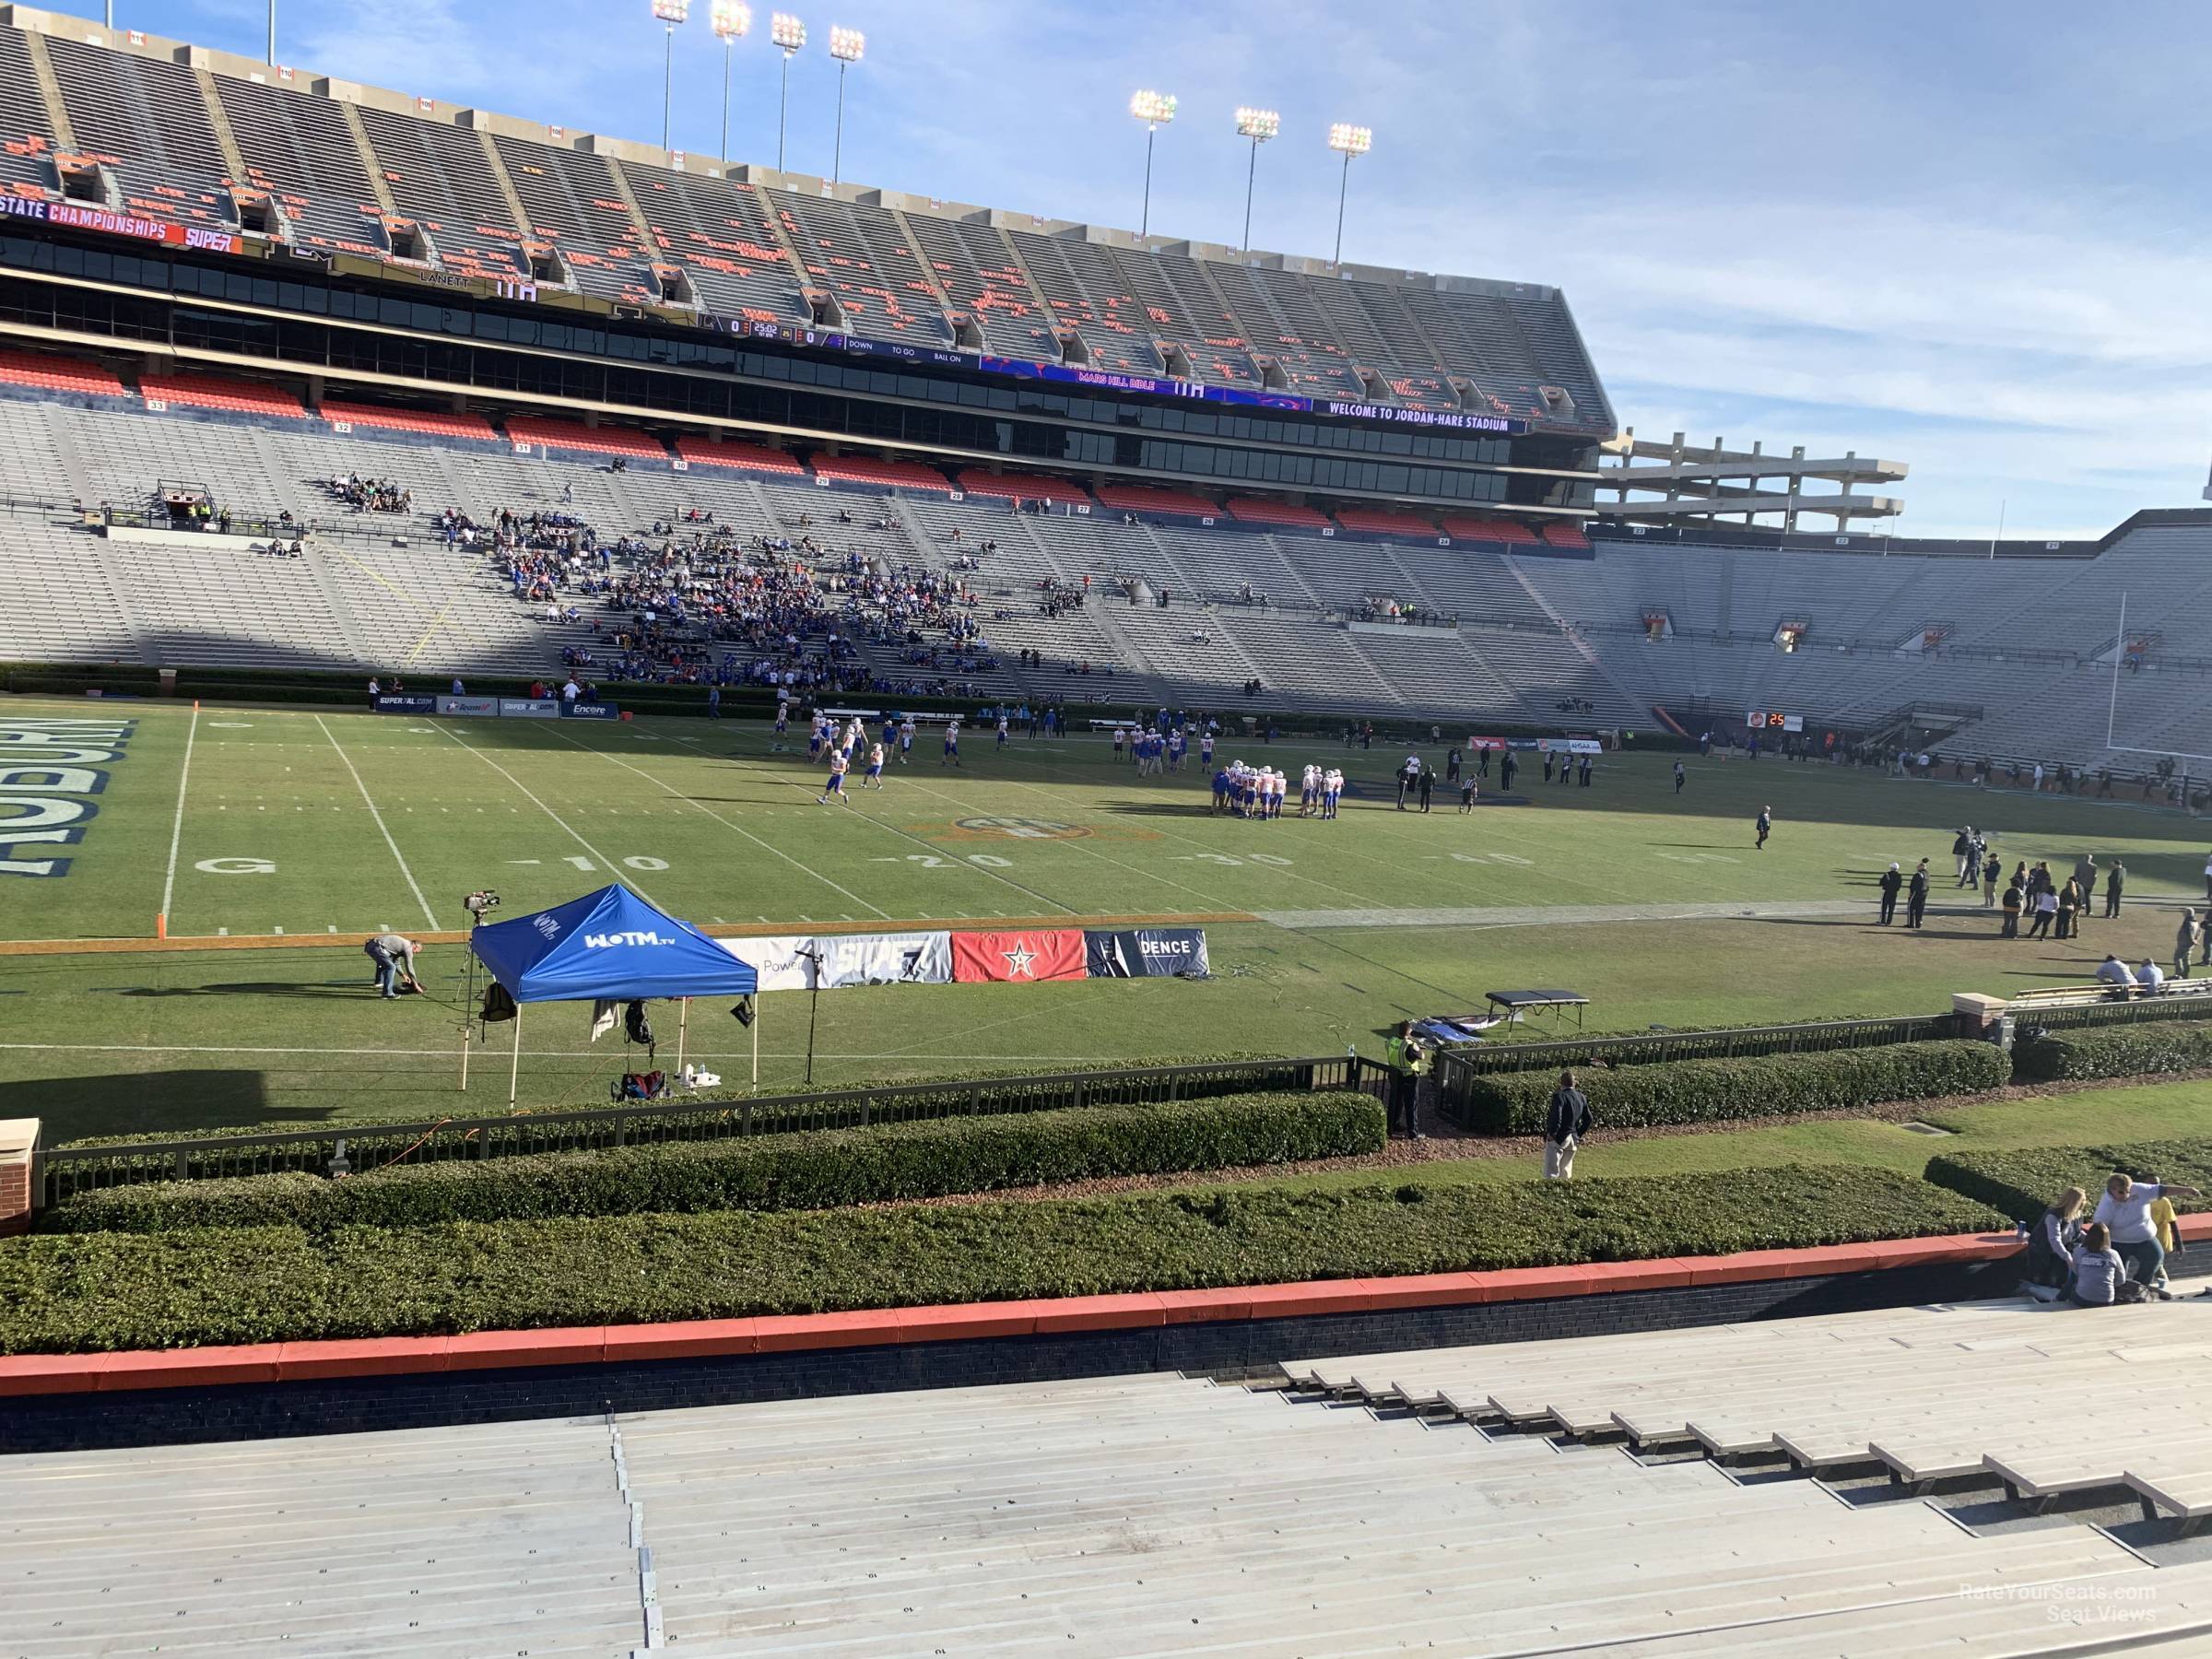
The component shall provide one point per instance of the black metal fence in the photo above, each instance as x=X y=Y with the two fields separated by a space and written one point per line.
x=61 y=1173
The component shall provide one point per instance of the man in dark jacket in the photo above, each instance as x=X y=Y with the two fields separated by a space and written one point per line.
x=1916 y=895
x=2115 y=878
x=1565 y=1120
x=1892 y=881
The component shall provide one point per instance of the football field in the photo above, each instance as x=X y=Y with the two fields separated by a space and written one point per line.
x=274 y=839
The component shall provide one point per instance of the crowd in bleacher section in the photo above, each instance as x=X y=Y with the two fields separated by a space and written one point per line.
x=371 y=495
x=669 y=607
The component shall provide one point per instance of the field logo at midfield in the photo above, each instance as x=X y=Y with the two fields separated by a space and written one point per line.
x=48 y=769
x=1021 y=828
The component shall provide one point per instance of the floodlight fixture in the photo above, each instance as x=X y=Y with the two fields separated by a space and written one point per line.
x=670 y=12
x=790 y=35
x=1259 y=126
x=1347 y=141
x=846 y=46
x=1156 y=110
x=732 y=20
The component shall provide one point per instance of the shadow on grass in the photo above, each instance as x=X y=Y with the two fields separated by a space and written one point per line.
x=353 y=989
x=182 y=1102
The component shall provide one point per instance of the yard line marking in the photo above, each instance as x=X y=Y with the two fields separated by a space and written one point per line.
x=377 y=817
x=895 y=830
x=612 y=867
x=176 y=828
x=725 y=823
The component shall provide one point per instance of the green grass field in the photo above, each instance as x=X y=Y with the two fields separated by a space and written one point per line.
x=327 y=825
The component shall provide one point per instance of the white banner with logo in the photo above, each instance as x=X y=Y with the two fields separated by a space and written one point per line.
x=782 y=960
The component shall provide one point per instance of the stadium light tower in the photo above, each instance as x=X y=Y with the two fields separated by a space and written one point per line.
x=1347 y=141
x=789 y=34
x=845 y=46
x=1156 y=110
x=670 y=12
x=1259 y=126
x=730 y=19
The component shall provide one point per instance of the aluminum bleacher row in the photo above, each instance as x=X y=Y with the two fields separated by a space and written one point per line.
x=1545 y=628
x=144 y=125
x=1112 y=1517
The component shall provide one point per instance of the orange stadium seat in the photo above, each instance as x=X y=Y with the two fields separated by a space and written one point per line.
x=891 y=475
x=1250 y=510
x=591 y=439
x=213 y=392
x=1139 y=498
x=743 y=457
x=1374 y=520
x=1466 y=528
x=1027 y=488
x=58 y=375
x=431 y=422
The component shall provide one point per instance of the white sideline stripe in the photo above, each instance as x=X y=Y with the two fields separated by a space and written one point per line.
x=606 y=863
x=176 y=828
x=370 y=801
x=447 y=1054
x=725 y=822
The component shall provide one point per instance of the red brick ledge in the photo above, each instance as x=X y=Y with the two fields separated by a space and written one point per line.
x=703 y=1338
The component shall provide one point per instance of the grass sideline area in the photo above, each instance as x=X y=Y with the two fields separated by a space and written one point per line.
x=1655 y=906
x=99 y=1292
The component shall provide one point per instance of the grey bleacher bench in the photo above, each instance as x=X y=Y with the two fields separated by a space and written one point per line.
x=2077 y=996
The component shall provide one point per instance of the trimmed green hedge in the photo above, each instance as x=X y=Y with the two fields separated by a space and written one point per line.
x=772 y=1172
x=1699 y=1091
x=2133 y=1050
x=2021 y=1183
x=1003 y=1087
x=80 y=1292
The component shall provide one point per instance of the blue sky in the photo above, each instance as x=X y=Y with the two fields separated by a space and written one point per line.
x=1970 y=237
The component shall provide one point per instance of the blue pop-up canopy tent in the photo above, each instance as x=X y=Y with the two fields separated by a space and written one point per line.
x=609 y=945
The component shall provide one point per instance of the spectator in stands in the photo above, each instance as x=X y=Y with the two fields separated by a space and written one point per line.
x=2053 y=1239
x=2125 y=1209
x=2115 y=972
x=2097 y=1267
x=2149 y=976
x=1566 y=1121
x=1916 y=896
x=1891 y=884
x=2115 y=878
x=2186 y=937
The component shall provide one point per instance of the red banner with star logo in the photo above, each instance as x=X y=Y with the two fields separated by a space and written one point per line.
x=1053 y=953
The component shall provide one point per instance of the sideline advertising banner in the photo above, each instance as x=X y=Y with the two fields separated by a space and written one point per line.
x=1145 y=953
x=915 y=959
x=407 y=704
x=469 y=705
x=1051 y=953
x=530 y=708
x=589 y=711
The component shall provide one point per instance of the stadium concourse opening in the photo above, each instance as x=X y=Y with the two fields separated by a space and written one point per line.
x=1111 y=718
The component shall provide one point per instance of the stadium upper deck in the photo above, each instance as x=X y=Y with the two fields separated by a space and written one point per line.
x=119 y=137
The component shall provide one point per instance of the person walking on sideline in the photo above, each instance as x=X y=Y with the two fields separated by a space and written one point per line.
x=1990 y=872
x=1892 y=881
x=2014 y=898
x=1766 y=826
x=1565 y=1120
x=2115 y=879
x=1916 y=896
x=2185 y=940
x=1680 y=777
x=1962 y=849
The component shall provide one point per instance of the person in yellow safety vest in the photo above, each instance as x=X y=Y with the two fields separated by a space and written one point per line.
x=1394 y=1053
x=1421 y=1063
